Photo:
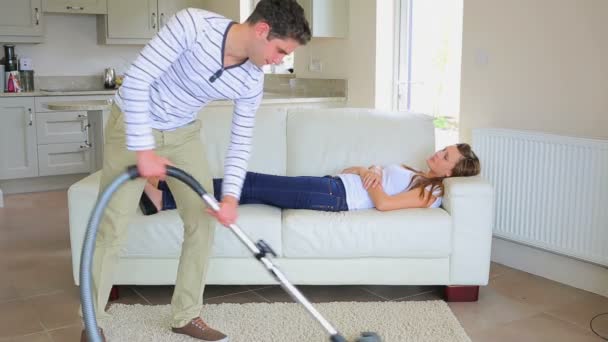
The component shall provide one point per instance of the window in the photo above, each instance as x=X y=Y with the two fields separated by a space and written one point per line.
x=429 y=55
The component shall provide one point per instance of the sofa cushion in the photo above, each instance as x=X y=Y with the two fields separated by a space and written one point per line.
x=269 y=146
x=325 y=141
x=161 y=235
x=410 y=233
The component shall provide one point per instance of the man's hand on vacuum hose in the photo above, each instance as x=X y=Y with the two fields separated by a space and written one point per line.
x=227 y=214
x=149 y=164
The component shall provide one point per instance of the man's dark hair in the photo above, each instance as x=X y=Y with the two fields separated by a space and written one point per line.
x=285 y=18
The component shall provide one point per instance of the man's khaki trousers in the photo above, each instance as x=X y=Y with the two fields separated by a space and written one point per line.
x=184 y=149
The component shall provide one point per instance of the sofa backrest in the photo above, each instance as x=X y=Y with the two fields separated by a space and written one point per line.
x=317 y=142
x=269 y=146
x=325 y=141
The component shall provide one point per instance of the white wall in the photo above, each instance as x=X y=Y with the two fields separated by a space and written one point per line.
x=538 y=65
x=365 y=58
x=330 y=51
x=71 y=48
x=229 y=9
x=360 y=55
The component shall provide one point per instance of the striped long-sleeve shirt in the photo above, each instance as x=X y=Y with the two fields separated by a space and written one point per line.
x=181 y=70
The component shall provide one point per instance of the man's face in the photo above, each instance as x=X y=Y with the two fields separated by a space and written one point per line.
x=271 y=51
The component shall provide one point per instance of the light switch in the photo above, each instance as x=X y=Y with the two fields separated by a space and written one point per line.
x=315 y=65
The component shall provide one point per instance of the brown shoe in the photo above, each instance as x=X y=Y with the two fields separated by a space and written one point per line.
x=197 y=328
x=83 y=336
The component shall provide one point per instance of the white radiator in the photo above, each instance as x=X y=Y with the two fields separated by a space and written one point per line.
x=551 y=190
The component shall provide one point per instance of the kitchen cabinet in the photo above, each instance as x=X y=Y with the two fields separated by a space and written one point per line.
x=69 y=141
x=137 y=21
x=62 y=127
x=134 y=19
x=62 y=159
x=166 y=9
x=37 y=141
x=76 y=6
x=327 y=18
x=18 y=149
x=21 y=21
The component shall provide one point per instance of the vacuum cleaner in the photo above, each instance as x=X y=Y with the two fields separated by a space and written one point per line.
x=260 y=251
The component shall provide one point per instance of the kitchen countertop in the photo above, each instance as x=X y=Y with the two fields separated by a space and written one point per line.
x=58 y=93
x=80 y=105
x=269 y=98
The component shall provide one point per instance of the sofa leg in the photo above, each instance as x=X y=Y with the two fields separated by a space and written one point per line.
x=461 y=293
x=114 y=294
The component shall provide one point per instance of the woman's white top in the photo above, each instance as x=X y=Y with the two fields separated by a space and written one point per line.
x=395 y=179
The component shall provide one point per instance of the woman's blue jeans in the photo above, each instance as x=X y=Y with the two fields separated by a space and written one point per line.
x=303 y=192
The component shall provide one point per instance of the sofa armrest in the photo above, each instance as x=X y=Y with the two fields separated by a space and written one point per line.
x=82 y=197
x=470 y=203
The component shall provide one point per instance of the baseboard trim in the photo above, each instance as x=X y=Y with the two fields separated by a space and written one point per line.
x=38 y=184
x=569 y=271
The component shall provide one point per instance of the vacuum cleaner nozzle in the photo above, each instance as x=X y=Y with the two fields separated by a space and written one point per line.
x=369 y=336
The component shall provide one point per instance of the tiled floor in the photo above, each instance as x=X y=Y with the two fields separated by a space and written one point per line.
x=38 y=300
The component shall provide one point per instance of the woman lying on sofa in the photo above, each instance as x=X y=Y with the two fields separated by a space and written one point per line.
x=385 y=188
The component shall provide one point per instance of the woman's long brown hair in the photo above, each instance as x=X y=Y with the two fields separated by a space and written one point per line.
x=468 y=165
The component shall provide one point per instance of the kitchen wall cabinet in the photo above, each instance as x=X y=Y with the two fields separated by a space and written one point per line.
x=76 y=6
x=167 y=8
x=18 y=149
x=137 y=21
x=327 y=18
x=134 y=19
x=21 y=21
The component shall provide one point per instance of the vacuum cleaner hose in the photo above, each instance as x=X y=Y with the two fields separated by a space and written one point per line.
x=86 y=258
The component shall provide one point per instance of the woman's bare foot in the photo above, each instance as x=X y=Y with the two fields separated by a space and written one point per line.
x=155 y=195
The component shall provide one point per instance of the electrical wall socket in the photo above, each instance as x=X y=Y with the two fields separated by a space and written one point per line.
x=482 y=57
x=315 y=65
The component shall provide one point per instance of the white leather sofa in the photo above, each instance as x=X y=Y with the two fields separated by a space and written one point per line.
x=444 y=246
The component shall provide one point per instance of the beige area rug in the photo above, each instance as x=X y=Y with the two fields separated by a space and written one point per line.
x=290 y=322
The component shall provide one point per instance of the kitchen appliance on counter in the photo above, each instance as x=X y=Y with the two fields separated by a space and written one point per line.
x=26 y=72
x=109 y=78
x=11 y=74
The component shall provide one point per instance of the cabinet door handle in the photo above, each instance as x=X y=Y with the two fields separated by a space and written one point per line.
x=37 y=15
x=86 y=136
x=154 y=20
x=31 y=117
x=76 y=8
